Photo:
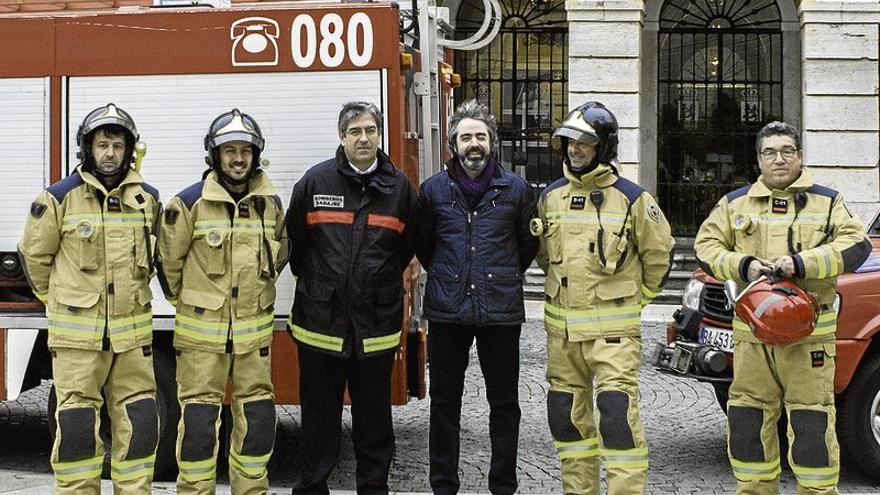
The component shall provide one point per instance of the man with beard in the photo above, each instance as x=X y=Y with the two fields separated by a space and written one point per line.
x=606 y=248
x=87 y=251
x=475 y=243
x=351 y=226
x=221 y=247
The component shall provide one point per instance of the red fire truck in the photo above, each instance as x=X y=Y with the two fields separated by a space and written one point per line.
x=290 y=65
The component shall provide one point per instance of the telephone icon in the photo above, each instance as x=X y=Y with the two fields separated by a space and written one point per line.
x=254 y=42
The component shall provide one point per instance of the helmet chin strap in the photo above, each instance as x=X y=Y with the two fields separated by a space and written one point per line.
x=108 y=179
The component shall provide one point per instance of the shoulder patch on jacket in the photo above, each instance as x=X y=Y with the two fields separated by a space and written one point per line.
x=171 y=216
x=191 y=194
x=37 y=209
x=822 y=191
x=737 y=193
x=61 y=188
x=630 y=189
x=152 y=191
x=563 y=181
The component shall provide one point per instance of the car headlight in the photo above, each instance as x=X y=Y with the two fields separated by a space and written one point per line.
x=692 y=291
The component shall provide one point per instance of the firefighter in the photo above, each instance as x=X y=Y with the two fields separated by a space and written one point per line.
x=350 y=223
x=87 y=251
x=606 y=249
x=785 y=225
x=475 y=252
x=221 y=246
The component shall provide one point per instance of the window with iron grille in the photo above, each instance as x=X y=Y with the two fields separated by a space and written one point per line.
x=720 y=75
x=522 y=76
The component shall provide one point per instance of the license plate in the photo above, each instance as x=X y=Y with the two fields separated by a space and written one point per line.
x=719 y=337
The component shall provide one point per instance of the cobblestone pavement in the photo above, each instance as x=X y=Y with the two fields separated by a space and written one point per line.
x=684 y=424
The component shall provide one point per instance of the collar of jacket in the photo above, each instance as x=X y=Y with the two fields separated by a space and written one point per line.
x=131 y=178
x=382 y=179
x=759 y=188
x=600 y=177
x=259 y=185
x=454 y=167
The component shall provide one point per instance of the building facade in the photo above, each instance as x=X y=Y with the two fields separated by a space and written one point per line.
x=690 y=81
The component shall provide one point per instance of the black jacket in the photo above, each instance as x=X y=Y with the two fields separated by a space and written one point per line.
x=475 y=257
x=351 y=238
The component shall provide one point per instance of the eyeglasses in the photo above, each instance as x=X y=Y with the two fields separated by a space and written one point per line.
x=787 y=153
x=356 y=132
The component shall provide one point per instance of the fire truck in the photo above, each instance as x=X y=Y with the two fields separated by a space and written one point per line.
x=289 y=65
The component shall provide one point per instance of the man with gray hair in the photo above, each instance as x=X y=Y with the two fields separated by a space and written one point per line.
x=351 y=227
x=474 y=241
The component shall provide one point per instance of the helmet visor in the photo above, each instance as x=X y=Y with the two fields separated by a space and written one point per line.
x=577 y=135
x=229 y=137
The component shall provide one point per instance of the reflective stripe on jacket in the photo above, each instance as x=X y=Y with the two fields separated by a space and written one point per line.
x=351 y=239
x=806 y=221
x=606 y=248
x=88 y=255
x=218 y=263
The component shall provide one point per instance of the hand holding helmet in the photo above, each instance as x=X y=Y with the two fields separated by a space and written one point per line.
x=777 y=311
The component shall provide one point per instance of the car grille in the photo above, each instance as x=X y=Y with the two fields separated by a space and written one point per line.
x=713 y=303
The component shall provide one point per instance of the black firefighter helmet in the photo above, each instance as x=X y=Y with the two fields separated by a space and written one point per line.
x=593 y=124
x=233 y=126
x=116 y=118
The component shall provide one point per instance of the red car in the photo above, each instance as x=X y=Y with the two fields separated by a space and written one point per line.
x=700 y=347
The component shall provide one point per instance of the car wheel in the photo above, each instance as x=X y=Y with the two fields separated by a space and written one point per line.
x=858 y=419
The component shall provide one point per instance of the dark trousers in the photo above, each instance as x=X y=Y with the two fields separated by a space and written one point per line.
x=321 y=387
x=448 y=352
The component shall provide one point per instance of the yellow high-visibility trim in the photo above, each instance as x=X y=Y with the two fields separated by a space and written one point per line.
x=133 y=469
x=650 y=294
x=588 y=447
x=816 y=477
x=250 y=465
x=207 y=331
x=78 y=470
x=248 y=330
x=69 y=222
x=81 y=327
x=375 y=344
x=131 y=326
x=722 y=266
x=607 y=318
x=752 y=471
x=825 y=325
x=314 y=339
x=630 y=458
x=197 y=470
x=586 y=218
x=44 y=298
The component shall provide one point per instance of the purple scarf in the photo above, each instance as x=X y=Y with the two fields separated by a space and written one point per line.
x=473 y=188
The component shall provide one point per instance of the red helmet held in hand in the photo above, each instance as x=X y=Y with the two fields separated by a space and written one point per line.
x=777 y=311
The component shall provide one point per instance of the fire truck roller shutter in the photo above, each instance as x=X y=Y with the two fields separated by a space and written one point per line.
x=25 y=102
x=297 y=112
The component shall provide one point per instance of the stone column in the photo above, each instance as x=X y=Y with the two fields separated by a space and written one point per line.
x=841 y=125
x=604 y=65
